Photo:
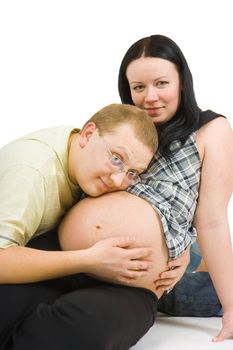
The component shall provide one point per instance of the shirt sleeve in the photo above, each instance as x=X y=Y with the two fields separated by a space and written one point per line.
x=22 y=199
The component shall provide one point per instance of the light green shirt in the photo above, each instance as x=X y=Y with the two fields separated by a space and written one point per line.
x=35 y=190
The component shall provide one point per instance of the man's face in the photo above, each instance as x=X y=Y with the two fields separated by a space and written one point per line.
x=107 y=162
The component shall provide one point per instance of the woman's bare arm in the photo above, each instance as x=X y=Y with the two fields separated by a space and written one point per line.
x=211 y=219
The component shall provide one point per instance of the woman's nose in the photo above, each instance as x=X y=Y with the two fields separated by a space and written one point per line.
x=151 y=94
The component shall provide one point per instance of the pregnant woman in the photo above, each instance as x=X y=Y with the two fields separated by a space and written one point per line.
x=190 y=180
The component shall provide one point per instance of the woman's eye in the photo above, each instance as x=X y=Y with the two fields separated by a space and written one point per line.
x=162 y=83
x=138 y=88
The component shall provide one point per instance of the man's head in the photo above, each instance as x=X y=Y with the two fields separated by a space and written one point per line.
x=114 y=115
x=115 y=145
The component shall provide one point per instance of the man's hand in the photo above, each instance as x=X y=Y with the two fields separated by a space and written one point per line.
x=176 y=269
x=114 y=259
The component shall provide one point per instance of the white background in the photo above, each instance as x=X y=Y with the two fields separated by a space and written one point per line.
x=59 y=59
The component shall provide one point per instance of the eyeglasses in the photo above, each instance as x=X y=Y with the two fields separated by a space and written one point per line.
x=118 y=166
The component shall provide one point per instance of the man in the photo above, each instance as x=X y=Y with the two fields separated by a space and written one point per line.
x=41 y=176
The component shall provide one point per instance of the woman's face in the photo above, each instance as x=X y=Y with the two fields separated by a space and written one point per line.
x=155 y=87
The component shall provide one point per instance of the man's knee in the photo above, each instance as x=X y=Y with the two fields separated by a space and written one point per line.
x=70 y=323
x=96 y=318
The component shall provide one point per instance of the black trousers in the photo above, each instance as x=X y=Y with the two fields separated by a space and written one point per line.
x=73 y=313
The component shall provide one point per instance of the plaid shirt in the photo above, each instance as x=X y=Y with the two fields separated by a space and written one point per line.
x=171 y=186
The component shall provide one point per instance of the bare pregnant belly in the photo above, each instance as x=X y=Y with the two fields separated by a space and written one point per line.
x=117 y=214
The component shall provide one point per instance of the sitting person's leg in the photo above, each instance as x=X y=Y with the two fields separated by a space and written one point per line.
x=19 y=300
x=98 y=316
x=195 y=258
x=194 y=296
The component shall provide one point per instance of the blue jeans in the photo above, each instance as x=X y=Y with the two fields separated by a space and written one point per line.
x=195 y=258
x=194 y=295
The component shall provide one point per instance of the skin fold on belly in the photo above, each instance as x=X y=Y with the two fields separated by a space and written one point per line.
x=117 y=214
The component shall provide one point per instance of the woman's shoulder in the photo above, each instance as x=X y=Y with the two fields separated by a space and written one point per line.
x=212 y=123
x=218 y=125
x=207 y=116
x=215 y=134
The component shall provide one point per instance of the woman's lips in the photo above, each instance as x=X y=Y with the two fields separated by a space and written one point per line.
x=154 y=111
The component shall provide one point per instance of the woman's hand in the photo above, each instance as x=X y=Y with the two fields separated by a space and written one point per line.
x=116 y=260
x=227 y=327
x=176 y=269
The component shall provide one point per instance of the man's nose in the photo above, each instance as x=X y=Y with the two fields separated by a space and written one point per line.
x=117 y=179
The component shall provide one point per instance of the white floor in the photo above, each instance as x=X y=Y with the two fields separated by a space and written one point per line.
x=183 y=333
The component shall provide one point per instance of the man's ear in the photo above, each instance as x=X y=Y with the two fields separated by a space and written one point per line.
x=86 y=132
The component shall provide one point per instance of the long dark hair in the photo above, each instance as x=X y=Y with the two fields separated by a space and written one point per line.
x=186 y=119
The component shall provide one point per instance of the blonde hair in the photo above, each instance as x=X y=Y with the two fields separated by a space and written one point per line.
x=114 y=115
